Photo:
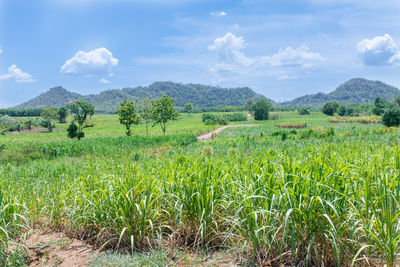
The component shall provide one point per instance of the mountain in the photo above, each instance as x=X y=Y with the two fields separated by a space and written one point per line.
x=354 y=91
x=108 y=101
x=55 y=97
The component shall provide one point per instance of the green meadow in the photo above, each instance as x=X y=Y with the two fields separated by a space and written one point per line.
x=323 y=195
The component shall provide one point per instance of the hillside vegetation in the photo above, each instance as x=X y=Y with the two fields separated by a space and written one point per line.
x=354 y=91
x=108 y=101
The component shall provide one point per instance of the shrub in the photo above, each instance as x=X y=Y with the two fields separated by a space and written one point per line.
x=330 y=108
x=303 y=111
x=211 y=119
x=261 y=109
x=235 y=117
x=391 y=116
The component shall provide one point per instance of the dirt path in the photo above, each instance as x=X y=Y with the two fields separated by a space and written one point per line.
x=208 y=136
x=56 y=249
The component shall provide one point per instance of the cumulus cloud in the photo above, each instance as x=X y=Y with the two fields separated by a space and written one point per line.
x=102 y=80
x=16 y=74
x=378 y=51
x=96 y=62
x=230 y=57
x=229 y=52
x=218 y=14
x=301 y=56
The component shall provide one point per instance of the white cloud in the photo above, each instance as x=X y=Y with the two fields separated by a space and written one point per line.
x=16 y=74
x=218 y=14
x=96 y=62
x=102 y=80
x=288 y=77
x=381 y=50
x=230 y=57
x=301 y=56
x=229 y=51
x=1 y=50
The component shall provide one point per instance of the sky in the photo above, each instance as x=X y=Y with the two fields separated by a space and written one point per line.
x=280 y=48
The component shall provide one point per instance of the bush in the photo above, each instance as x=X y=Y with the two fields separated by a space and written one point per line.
x=7 y=120
x=211 y=119
x=261 y=109
x=303 y=111
x=391 y=116
x=330 y=108
x=235 y=117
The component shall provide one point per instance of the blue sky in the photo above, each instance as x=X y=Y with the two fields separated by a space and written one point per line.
x=280 y=48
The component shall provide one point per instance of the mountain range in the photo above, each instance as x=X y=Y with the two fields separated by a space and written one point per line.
x=354 y=91
x=108 y=101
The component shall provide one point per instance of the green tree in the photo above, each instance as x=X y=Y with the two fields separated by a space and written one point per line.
x=146 y=112
x=80 y=110
x=261 y=109
x=379 y=107
x=391 y=116
x=303 y=111
x=249 y=104
x=330 y=108
x=128 y=115
x=163 y=111
x=62 y=115
x=188 y=107
x=49 y=116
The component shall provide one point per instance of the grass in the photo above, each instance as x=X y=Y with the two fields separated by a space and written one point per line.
x=327 y=194
x=364 y=119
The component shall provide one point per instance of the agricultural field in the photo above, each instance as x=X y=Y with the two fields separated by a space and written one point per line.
x=325 y=194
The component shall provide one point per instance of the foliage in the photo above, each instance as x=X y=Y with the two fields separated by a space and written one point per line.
x=303 y=111
x=13 y=112
x=249 y=103
x=213 y=119
x=330 y=108
x=379 y=106
x=237 y=116
x=62 y=115
x=391 y=116
x=261 y=109
x=128 y=115
x=188 y=107
x=49 y=115
x=80 y=111
x=163 y=111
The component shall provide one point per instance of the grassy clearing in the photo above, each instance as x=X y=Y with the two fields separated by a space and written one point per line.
x=324 y=195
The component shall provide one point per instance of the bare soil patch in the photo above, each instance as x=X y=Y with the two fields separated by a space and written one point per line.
x=56 y=249
x=208 y=136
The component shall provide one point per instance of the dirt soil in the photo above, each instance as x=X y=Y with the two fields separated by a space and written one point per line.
x=56 y=249
x=208 y=136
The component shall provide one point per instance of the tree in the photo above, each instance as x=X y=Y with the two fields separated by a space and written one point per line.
x=330 y=108
x=380 y=106
x=128 y=115
x=261 y=109
x=188 y=107
x=48 y=116
x=249 y=104
x=163 y=111
x=146 y=112
x=303 y=111
x=391 y=116
x=62 y=115
x=80 y=110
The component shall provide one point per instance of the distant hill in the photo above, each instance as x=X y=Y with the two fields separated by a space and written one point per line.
x=108 y=101
x=354 y=91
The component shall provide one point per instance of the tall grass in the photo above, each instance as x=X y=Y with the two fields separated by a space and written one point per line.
x=307 y=201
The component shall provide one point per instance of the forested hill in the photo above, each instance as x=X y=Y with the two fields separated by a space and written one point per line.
x=108 y=101
x=354 y=91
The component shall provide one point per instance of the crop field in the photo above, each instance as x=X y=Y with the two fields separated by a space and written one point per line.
x=324 y=195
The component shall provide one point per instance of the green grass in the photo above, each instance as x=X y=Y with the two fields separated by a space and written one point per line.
x=326 y=196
